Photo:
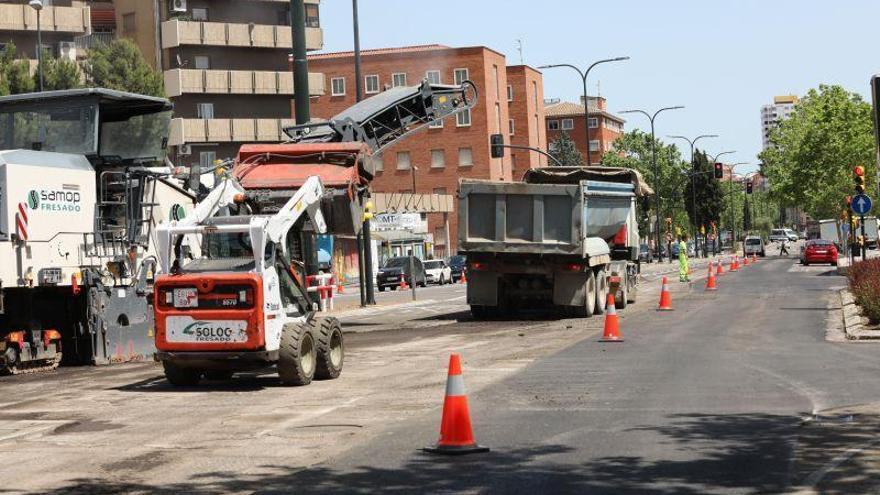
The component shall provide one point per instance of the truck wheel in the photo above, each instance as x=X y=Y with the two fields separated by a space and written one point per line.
x=589 y=306
x=297 y=355
x=180 y=376
x=331 y=347
x=622 y=295
x=601 y=292
x=632 y=293
x=219 y=375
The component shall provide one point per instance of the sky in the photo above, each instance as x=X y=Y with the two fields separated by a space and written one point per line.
x=721 y=59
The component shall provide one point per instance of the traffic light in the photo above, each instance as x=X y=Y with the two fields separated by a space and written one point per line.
x=749 y=187
x=497 y=143
x=719 y=170
x=859 y=172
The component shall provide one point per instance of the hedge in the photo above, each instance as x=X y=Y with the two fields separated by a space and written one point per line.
x=864 y=283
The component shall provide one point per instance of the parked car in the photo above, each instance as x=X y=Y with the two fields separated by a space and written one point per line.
x=457 y=264
x=819 y=251
x=754 y=245
x=645 y=254
x=438 y=272
x=398 y=268
x=777 y=235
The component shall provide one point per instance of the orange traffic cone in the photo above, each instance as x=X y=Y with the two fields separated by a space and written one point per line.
x=612 y=328
x=745 y=261
x=710 y=282
x=463 y=279
x=754 y=258
x=456 y=435
x=734 y=266
x=719 y=271
x=403 y=284
x=665 y=298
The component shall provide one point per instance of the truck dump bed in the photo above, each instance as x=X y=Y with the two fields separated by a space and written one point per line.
x=542 y=218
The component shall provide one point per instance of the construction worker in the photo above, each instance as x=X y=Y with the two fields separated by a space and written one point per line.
x=683 y=259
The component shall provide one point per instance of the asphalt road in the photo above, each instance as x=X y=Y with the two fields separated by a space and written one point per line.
x=710 y=398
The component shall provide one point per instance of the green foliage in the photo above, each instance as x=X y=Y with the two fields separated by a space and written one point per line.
x=564 y=150
x=814 y=151
x=747 y=216
x=119 y=65
x=864 y=282
x=15 y=72
x=58 y=73
x=708 y=192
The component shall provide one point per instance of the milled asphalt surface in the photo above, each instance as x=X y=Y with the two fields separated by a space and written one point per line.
x=710 y=398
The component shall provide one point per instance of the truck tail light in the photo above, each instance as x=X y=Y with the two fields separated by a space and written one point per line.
x=572 y=267
x=478 y=266
x=620 y=237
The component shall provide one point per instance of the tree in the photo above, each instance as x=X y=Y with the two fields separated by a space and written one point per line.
x=709 y=195
x=15 y=72
x=119 y=65
x=747 y=216
x=810 y=161
x=564 y=150
x=59 y=73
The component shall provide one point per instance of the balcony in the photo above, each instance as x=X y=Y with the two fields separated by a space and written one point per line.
x=188 y=131
x=57 y=19
x=236 y=82
x=177 y=33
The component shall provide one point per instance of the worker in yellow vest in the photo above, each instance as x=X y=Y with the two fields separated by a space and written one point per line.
x=683 y=259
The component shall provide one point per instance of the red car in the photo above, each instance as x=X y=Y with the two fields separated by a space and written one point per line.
x=819 y=251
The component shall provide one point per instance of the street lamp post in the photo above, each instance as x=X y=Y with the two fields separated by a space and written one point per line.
x=654 y=165
x=584 y=75
x=38 y=6
x=692 y=142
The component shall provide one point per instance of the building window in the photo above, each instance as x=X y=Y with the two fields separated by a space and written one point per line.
x=433 y=76
x=202 y=62
x=206 y=159
x=398 y=79
x=337 y=86
x=465 y=157
x=371 y=84
x=378 y=164
x=205 y=110
x=403 y=162
x=464 y=118
x=594 y=122
x=498 y=118
x=510 y=126
x=199 y=14
x=594 y=145
x=128 y=23
x=313 y=19
x=438 y=159
x=553 y=125
x=497 y=82
x=535 y=92
x=509 y=92
x=567 y=124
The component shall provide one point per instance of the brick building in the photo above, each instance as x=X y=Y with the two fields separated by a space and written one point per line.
x=605 y=128
x=433 y=161
x=225 y=66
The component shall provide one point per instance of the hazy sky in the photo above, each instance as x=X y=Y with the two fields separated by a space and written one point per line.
x=721 y=59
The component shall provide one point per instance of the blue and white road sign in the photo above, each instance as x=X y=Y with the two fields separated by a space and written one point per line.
x=861 y=204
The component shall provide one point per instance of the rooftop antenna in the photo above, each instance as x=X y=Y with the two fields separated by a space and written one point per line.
x=519 y=47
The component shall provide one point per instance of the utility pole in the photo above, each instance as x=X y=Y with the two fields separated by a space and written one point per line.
x=693 y=142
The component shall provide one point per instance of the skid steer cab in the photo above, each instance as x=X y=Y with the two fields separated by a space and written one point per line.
x=230 y=299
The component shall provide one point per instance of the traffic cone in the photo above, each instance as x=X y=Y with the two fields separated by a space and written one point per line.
x=733 y=265
x=719 y=271
x=754 y=258
x=612 y=327
x=340 y=288
x=710 y=282
x=665 y=298
x=403 y=284
x=456 y=435
x=463 y=279
x=745 y=261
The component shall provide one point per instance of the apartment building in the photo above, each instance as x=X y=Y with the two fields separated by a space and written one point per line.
x=62 y=24
x=567 y=117
x=226 y=68
x=432 y=162
x=772 y=114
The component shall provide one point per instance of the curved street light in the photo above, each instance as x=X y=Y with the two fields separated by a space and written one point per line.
x=584 y=75
x=38 y=6
x=652 y=117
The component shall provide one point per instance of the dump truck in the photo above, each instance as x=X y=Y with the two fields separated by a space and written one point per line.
x=231 y=296
x=83 y=184
x=555 y=240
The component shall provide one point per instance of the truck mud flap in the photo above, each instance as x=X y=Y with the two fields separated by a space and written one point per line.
x=122 y=326
x=569 y=289
x=482 y=288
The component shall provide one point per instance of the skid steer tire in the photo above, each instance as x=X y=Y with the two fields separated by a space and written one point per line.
x=601 y=292
x=180 y=376
x=331 y=347
x=589 y=306
x=297 y=355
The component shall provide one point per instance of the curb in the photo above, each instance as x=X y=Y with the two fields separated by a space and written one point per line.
x=855 y=325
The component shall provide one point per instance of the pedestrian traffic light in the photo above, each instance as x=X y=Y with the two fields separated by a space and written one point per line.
x=859 y=172
x=749 y=187
x=497 y=143
x=719 y=170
